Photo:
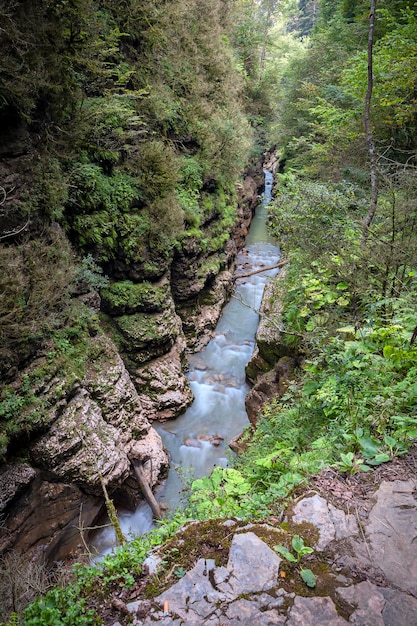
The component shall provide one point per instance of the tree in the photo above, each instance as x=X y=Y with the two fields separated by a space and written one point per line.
x=368 y=128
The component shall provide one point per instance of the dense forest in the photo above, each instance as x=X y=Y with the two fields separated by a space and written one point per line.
x=126 y=129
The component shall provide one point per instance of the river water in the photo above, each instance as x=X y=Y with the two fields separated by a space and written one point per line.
x=217 y=379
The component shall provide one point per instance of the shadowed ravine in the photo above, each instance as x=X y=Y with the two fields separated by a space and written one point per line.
x=198 y=440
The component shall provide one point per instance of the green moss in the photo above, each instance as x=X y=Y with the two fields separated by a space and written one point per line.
x=26 y=405
x=127 y=297
x=141 y=330
x=211 y=267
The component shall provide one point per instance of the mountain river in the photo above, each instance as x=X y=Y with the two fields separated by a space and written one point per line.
x=217 y=378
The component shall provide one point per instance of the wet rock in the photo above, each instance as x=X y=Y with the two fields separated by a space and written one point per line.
x=368 y=601
x=392 y=532
x=332 y=523
x=314 y=612
x=192 y=442
x=239 y=444
x=200 y=316
x=150 y=451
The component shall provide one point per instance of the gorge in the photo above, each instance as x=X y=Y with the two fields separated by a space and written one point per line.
x=198 y=440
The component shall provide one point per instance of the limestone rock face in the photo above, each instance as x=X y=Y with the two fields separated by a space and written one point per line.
x=200 y=318
x=153 y=347
x=269 y=385
x=14 y=478
x=163 y=389
x=332 y=523
x=392 y=532
x=268 y=336
x=265 y=388
x=95 y=429
x=45 y=520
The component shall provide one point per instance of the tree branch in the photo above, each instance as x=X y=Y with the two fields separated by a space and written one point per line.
x=263 y=269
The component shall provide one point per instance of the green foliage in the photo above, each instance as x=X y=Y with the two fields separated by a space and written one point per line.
x=127 y=297
x=308 y=577
x=350 y=464
x=299 y=548
x=70 y=606
x=26 y=404
x=35 y=290
x=61 y=607
x=224 y=492
x=89 y=276
x=188 y=191
x=353 y=404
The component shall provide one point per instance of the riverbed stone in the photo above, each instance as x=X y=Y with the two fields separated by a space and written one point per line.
x=332 y=523
x=314 y=612
x=392 y=532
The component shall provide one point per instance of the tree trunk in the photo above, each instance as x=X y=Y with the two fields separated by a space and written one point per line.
x=368 y=130
x=146 y=490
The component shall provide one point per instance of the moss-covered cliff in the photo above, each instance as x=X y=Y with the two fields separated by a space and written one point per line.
x=123 y=140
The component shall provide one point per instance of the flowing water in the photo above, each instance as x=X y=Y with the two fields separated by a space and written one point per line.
x=217 y=379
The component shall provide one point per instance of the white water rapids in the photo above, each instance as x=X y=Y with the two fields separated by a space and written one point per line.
x=217 y=379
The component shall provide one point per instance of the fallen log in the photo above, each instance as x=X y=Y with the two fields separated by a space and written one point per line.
x=145 y=488
x=263 y=269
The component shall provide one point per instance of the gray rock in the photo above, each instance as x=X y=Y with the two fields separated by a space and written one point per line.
x=152 y=562
x=314 y=612
x=369 y=603
x=193 y=598
x=392 y=531
x=97 y=430
x=14 y=478
x=162 y=386
x=400 y=608
x=242 y=575
x=246 y=612
x=331 y=523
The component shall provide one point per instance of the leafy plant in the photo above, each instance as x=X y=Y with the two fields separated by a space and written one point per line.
x=300 y=550
x=180 y=572
x=351 y=464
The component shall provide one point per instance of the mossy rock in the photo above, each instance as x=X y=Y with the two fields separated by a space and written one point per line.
x=210 y=268
x=126 y=297
x=272 y=351
x=142 y=330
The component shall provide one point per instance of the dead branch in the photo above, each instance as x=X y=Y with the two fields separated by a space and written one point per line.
x=263 y=269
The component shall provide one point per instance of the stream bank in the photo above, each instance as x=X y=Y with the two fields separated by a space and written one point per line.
x=361 y=528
